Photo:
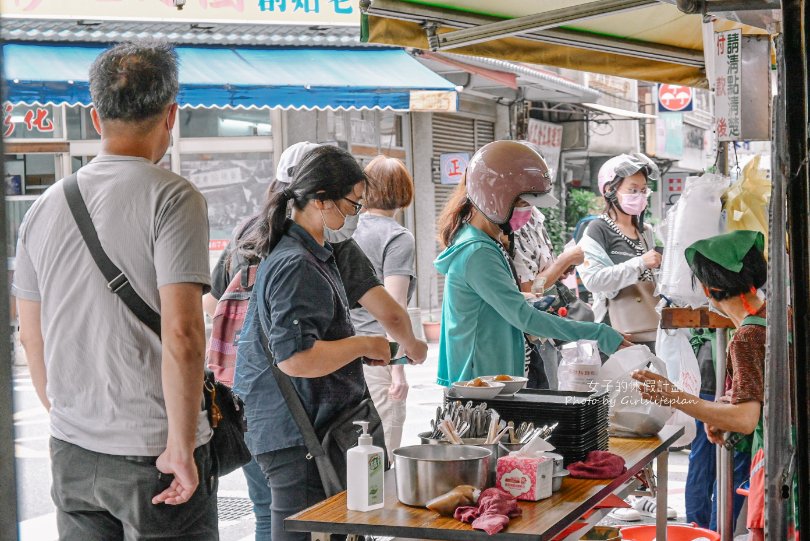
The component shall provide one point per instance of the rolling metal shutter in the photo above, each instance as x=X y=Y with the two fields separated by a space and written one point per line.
x=453 y=133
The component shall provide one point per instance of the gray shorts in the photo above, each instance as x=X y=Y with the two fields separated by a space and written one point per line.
x=102 y=497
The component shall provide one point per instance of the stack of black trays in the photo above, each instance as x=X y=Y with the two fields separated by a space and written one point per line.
x=582 y=417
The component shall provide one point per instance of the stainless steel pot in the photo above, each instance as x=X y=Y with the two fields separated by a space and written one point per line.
x=426 y=471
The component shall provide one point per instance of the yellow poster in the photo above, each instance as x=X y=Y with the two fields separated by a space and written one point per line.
x=303 y=12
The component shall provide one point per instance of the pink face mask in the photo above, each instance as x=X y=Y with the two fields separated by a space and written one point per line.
x=520 y=217
x=633 y=204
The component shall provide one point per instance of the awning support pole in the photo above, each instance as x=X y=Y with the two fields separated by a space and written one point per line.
x=778 y=449
x=8 y=494
x=795 y=29
x=535 y=22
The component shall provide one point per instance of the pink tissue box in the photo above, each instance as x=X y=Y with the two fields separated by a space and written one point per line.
x=525 y=478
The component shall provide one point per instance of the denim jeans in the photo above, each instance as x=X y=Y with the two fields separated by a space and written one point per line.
x=102 y=497
x=295 y=485
x=701 y=491
x=261 y=496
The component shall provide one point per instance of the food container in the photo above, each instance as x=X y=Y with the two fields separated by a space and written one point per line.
x=425 y=471
x=478 y=393
x=556 y=483
x=509 y=387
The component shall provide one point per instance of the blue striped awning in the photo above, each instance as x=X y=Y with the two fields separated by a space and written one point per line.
x=309 y=78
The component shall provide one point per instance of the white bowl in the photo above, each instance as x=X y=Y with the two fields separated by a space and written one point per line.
x=510 y=387
x=478 y=393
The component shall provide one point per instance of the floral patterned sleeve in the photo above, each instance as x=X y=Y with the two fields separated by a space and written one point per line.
x=746 y=358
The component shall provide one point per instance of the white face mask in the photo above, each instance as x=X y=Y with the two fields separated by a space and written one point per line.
x=346 y=230
x=716 y=309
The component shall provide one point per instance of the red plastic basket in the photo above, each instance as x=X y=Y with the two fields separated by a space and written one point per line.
x=675 y=532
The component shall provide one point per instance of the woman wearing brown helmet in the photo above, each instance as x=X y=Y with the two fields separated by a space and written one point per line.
x=484 y=314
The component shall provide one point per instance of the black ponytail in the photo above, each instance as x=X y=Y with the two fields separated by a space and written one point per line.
x=326 y=173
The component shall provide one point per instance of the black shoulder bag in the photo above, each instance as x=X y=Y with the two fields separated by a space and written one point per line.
x=225 y=410
x=329 y=448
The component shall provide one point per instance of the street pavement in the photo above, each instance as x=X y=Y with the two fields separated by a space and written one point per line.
x=36 y=510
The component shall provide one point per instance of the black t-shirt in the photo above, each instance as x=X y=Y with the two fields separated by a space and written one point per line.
x=616 y=247
x=356 y=271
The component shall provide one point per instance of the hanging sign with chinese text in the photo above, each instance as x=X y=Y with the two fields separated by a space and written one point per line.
x=728 y=85
x=548 y=137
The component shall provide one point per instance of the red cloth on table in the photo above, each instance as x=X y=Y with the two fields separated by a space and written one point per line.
x=598 y=465
x=495 y=508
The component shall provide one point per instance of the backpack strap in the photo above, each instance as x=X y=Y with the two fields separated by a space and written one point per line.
x=117 y=281
x=754 y=320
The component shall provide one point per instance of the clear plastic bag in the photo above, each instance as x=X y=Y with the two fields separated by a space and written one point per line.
x=674 y=348
x=697 y=215
x=579 y=368
x=630 y=414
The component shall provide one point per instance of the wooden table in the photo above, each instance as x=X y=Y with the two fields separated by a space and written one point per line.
x=541 y=521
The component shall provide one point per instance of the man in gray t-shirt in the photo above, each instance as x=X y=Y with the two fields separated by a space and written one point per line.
x=129 y=447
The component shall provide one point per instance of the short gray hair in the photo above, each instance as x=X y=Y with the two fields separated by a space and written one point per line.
x=134 y=82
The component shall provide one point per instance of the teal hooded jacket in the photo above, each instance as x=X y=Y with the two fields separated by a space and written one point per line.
x=484 y=314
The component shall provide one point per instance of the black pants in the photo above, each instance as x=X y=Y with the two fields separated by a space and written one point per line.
x=102 y=497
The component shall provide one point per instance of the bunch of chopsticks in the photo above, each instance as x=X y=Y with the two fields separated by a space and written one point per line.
x=448 y=428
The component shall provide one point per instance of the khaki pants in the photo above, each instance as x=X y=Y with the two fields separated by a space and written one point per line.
x=392 y=412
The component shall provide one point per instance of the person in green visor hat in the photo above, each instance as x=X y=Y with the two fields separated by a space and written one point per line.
x=732 y=269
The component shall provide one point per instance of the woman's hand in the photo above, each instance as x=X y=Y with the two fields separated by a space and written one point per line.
x=626 y=343
x=399 y=384
x=651 y=260
x=416 y=351
x=657 y=388
x=714 y=435
x=376 y=350
x=573 y=256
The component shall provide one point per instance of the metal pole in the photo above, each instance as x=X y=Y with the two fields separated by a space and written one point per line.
x=795 y=28
x=778 y=449
x=725 y=462
x=8 y=481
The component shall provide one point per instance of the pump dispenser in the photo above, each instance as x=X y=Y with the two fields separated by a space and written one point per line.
x=364 y=473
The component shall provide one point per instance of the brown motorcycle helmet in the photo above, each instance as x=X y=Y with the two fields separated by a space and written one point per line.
x=503 y=171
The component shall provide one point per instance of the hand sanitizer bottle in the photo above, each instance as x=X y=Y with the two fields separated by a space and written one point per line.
x=364 y=473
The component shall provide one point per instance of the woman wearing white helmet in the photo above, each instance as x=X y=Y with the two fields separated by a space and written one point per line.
x=484 y=314
x=620 y=250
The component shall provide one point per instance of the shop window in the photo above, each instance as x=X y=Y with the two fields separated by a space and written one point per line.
x=235 y=186
x=32 y=122
x=224 y=123
x=30 y=174
x=390 y=130
x=80 y=124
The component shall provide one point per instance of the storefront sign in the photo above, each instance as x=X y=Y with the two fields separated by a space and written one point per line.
x=548 y=137
x=310 y=12
x=29 y=122
x=672 y=190
x=433 y=100
x=453 y=165
x=728 y=85
x=674 y=98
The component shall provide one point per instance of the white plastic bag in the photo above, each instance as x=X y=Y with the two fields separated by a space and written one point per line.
x=683 y=370
x=696 y=216
x=579 y=368
x=630 y=414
